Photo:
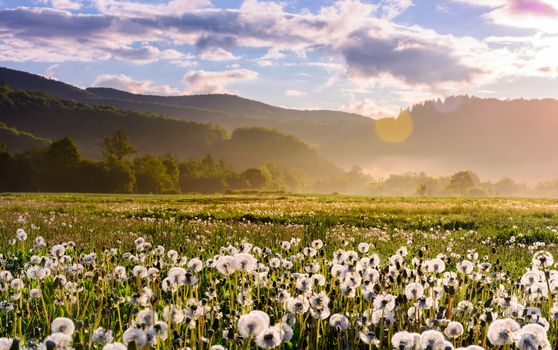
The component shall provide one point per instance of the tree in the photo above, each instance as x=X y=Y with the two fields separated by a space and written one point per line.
x=256 y=178
x=58 y=167
x=117 y=146
x=461 y=182
x=151 y=174
x=421 y=190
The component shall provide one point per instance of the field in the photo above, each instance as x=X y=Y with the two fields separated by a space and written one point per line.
x=325 y=272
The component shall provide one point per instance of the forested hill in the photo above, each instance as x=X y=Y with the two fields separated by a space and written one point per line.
x=43 y=117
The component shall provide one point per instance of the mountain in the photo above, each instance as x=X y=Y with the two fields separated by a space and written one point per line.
x=17 y=140
x=492 y=137
x=327 y=131
x=41 y=114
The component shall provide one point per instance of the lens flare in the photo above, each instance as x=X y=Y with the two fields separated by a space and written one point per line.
x=395 y=130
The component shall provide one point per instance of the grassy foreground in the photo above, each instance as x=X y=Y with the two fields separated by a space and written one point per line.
x=326 y=271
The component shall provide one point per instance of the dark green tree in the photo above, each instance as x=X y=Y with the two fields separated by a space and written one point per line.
x=117 y=146
x=151 y=174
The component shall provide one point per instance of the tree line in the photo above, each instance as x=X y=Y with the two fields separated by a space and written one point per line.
x=59 y=167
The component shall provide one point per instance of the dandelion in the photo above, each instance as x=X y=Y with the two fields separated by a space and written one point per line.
x=102 y=336
x=146 y=317
x=339 y=322
x=269 y=338
x=226 y=265
x=363 y=247
x=115 y=346
x=7 y=343
x=404 y=341
x=58 y=250
x=63 y=325
x=134 y=335
x=436 y=265
x=58 y=341
x=21 y=234
x=432 y=340
x=454 y=330
x=252 y=324
x=414 y=291
x=542 y=258
x=532 y=336
x=297 y=305
x=501 y=332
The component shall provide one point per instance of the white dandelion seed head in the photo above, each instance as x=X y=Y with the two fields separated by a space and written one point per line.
x=502 y=331
x=63 y=325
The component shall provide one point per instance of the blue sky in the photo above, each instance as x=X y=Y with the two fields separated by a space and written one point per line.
x=369 y=57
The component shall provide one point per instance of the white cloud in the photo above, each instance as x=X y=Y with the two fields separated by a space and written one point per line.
x=215 y=82
x=372 y=109
x=63 y=4
x=51 y=71
x=295 y=93
x=126 y=83
x=217 y=54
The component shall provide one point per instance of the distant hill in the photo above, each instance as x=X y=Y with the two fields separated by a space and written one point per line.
x=17 y=140
x=38 y=113
x=319 y=128
x=493 y=137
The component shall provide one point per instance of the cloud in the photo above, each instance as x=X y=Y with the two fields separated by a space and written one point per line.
x=372 y=109
x=359 y=38
x=414 y=62
x=130 y=8
x=126 y=83
x=215 y=82
x=51 y=71
x=217 y=54
x=64 y=4
x=295 y=93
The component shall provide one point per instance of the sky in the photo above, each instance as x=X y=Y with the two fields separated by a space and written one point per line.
x=368 y=57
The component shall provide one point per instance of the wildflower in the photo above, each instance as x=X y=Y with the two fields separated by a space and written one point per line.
x=368 y=338
x=102 y=336
x=432 y=340
x=532 y=336
x=317 y=244
x=173 y=314
x=414 y=291
x=63 y=325
x=7 y=343
x=339 y=322
x=454 y=330
x=296 y=305
x=146 y=317
x=363 y=247
x=404 y=341
x=435 y=265
x=542 y=258
x=501 y=332
x=115 y=346
x=195 y=265
x=269 y=338
x=135 y=335
x=58 y=341
x=252 y=324
x=225 y=265
x=21 y=234
x=465 y=267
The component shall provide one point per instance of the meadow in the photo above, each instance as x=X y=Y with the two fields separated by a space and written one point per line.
x=277 y=271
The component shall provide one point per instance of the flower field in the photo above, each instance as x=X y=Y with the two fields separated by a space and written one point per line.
x=277 y=272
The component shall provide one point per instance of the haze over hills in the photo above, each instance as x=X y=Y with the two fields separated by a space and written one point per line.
x=492 y=137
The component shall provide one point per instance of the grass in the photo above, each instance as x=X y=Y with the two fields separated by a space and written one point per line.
x=502 y=231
